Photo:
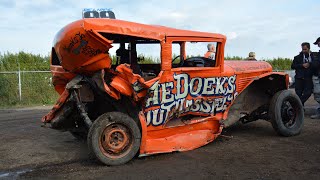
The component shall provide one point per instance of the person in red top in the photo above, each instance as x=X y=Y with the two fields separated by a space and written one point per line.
x=211 y=53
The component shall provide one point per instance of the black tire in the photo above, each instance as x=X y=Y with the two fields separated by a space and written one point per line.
x=286 y=113
x=81 y=136
x=111 y=131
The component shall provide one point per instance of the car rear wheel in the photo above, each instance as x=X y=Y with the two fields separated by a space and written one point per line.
x=286 y=113
x=114 y=138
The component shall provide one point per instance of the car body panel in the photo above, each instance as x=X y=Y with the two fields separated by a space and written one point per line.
x=182 y=108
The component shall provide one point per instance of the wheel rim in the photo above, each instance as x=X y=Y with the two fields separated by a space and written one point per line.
x=289 y=112
x=116 y=141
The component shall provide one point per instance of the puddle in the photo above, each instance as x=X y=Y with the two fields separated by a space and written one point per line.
x=13 y=174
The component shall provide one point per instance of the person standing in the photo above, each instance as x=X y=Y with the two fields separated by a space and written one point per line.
x=303 y=66
x=252 y=56
x=316 y=80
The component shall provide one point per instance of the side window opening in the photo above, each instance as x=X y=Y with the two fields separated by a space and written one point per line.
x=143 y=55
x=177 y=55
x=149 y=60
x=198 y=54
x=54 y=58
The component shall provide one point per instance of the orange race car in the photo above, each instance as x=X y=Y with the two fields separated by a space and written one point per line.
x=126 y=107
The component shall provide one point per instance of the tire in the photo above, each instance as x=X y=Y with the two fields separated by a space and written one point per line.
x=286 y=113
x=114 y=138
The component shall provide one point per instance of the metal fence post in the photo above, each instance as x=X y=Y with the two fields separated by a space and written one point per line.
x=19 y=83
x=19 y=78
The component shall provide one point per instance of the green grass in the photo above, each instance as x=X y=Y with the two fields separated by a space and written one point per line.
x=36 y=89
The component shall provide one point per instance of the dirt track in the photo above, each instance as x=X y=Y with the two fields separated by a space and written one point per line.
x=251 y=151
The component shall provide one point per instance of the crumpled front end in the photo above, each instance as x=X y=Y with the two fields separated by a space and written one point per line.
x=81 y=50
x=114 y=84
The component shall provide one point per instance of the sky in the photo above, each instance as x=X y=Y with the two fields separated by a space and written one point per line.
x=273 y=28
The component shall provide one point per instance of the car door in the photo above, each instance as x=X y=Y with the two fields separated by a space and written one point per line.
x=189 y=93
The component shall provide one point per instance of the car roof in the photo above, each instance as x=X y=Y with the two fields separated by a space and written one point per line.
x=115 y=26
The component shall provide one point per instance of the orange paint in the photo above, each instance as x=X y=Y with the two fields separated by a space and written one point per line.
x=164 y=118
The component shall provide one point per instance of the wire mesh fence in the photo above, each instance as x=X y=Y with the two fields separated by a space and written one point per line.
x=26 y=88
x=35 y=88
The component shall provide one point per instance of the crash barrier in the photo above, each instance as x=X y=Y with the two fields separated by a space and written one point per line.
x=26 y=88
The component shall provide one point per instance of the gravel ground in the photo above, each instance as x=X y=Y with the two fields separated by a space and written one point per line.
x=251 y=151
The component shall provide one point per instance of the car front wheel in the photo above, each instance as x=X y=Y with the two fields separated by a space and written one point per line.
x=114 y=138
x=286 y=113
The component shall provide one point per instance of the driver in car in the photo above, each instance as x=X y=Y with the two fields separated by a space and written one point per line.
x=123 y=54
x=211 y=53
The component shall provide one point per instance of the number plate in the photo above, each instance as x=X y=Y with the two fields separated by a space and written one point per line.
x=98 y=13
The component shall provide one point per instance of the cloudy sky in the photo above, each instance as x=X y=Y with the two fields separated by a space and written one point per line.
x=273 y=28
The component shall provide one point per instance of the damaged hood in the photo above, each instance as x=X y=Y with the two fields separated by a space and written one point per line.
x=81 y=50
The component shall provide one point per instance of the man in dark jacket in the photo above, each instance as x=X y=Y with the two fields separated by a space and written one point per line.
x=316 y=82
x=304 y=67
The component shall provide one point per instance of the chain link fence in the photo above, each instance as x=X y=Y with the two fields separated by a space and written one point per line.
x=26 y=88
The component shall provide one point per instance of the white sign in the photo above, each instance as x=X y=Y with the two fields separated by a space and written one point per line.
x=219 y=93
